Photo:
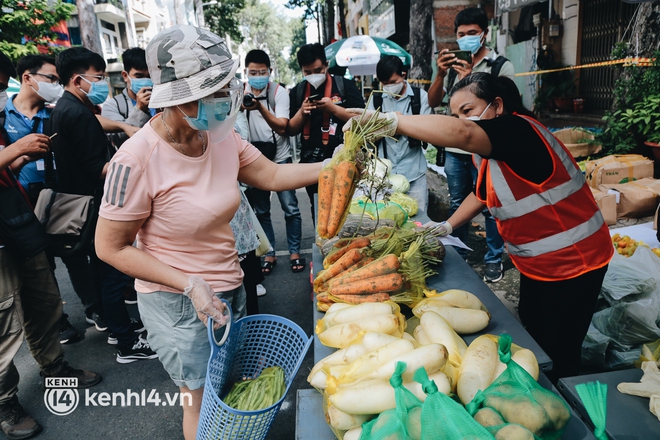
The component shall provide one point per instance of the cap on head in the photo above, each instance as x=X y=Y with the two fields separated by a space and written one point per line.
x=187 y=63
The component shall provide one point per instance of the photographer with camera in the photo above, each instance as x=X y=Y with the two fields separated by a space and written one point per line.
x=471 y=27
x=266 y=106
x=318 y=108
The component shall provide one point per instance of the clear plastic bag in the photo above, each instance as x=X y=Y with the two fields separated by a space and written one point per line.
x=594 y=348
x=629 y=323
x=631 y=276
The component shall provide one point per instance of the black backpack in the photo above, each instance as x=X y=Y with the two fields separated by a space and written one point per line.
x=415 y=106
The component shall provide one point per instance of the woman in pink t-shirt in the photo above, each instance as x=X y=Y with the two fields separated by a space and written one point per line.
x=173 y=187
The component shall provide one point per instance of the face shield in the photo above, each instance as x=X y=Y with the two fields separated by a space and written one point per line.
x=221 y=109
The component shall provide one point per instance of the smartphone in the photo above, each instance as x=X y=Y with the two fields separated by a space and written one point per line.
x=464 y=55
x=314 y=97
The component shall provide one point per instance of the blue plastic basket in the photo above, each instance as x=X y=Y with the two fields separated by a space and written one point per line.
x=248 y=346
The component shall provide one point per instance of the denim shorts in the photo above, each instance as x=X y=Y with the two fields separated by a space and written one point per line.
x=177 y=334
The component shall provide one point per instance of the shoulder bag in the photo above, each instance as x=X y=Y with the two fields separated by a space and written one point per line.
x=20 y=230
x=68 y=219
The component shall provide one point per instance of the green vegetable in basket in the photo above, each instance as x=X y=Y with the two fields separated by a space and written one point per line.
x=259 y=393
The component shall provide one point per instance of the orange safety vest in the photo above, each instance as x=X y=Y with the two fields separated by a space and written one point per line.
x=554 y=230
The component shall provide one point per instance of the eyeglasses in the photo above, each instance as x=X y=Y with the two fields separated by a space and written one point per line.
x=53 y=79
x=98 y=77
x=264 y=72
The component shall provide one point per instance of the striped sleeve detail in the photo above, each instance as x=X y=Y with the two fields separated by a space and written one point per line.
x=118 y=181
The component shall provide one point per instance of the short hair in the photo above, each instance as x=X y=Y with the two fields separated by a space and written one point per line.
x=32 y=64
x=471 y=16
x=488 y=87
x=6 y=66
x=134 y=58
x=75 y=61
x=387 y=66
x=257 y=56
x=309 y=53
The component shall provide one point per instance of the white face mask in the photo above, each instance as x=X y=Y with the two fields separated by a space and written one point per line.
x=3 y=100
x=49 y=91
x=478 y=118
x=315 y=79
x=393 y=89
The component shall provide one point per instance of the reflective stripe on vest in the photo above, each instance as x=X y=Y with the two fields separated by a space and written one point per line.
x=558 y=241
x=517 y=208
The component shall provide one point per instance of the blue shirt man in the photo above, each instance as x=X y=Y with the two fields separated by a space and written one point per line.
x=398 y=96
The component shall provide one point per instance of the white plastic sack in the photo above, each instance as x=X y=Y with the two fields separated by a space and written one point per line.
x=635 y=275
x=594 y=348
x=628 y=323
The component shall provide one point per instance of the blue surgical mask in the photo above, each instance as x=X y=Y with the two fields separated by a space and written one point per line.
x=98 y=91
x=138 y=84
x=258 y=82
x=200 y=122
x=221 y=108
x=470 y=42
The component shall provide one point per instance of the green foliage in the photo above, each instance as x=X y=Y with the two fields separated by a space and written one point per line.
x=223 y=18
x=33 y=19
x=299 y=39
x=267 y=29
x=309 y=6
x=554 y=85
x=635 y=116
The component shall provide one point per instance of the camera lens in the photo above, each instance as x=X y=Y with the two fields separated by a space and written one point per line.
x=248 y=99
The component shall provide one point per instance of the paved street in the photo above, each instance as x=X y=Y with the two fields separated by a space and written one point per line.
x=288 y=295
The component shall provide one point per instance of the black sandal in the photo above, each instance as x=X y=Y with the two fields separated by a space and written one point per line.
x=297 y=265
x=267 y=266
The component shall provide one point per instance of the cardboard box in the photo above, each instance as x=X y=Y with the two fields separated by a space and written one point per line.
x=633 y=200
x=617 y=169
x=607 y=204
x=571 y=138
x=652 y=184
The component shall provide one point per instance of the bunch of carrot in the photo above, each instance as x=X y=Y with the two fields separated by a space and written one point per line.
x=391 y=264
x=338 y=179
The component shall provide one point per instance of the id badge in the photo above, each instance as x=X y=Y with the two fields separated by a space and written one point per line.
x=332 y=128
x=41 y=165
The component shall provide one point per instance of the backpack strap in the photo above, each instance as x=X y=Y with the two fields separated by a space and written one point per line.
x=377 y=99
x=339 y=82
x=496 y=65
x=272 y=92
x=124 y=113
x=416 y=107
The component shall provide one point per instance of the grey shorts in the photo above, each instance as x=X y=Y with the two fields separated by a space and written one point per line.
x=178 y=336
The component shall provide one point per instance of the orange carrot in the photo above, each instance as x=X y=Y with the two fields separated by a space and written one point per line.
x=382 y=266
x=347 y=260
x=345 y=175
x=326 y=184
x=358 y=243
x=384 y=283
x=342 y=242
x=363 y=262
x=358 y=299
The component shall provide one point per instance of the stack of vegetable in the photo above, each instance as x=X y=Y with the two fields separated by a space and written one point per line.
x=627 y=246
x=391 y=264
x=258 y=393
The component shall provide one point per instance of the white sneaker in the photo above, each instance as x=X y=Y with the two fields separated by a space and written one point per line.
x=261 y=290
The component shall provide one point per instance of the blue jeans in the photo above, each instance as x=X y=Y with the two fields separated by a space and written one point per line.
x=260 y=201
x=461 y=178
x=419 y=191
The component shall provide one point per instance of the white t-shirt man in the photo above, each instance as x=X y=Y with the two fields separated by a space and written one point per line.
x=260 y=131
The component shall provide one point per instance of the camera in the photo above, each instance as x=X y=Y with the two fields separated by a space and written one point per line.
x=248 y=100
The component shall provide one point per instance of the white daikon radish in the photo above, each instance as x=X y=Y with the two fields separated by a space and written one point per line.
x=434 y=301
x=370 y=361
x=353 y=352
x=451 y=373
x=438 y=330
x=353 y=434
x=336 y=358
x=327 y=320
x=462 y=299
x=318 y=379
x=341 y=335
x=421 y=336
x=477 y=368
x=463 y=321
x=360 y=311
x=408 y=337
x=343 y=421
x=374 y=340
x=432 y=357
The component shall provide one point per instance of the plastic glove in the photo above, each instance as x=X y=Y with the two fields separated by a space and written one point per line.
x=362 y=116
x=205 y=302
x=649 y=383
x=443 y=228
x=335 y=152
